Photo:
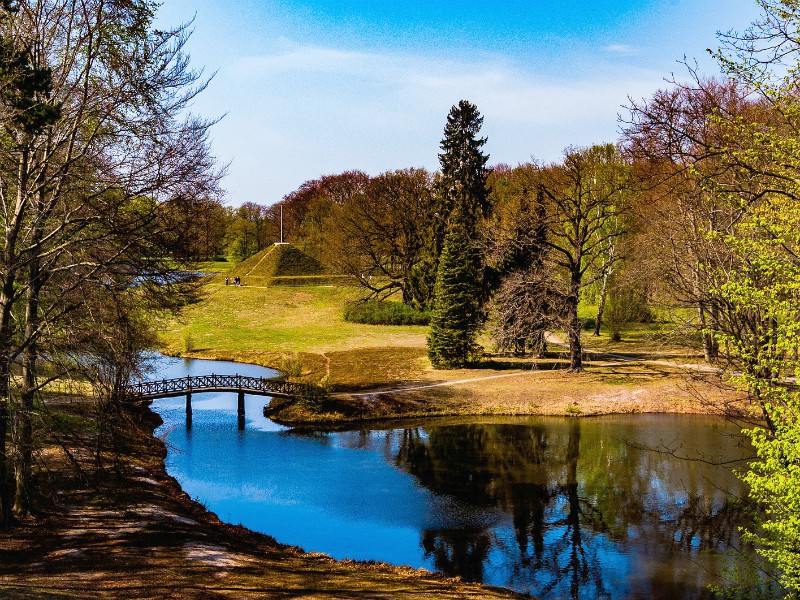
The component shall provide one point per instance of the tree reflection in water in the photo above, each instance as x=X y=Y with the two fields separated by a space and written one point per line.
x=588 y=515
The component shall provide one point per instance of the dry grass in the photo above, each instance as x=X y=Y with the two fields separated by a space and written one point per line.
x=269 y=325
x=602 y=389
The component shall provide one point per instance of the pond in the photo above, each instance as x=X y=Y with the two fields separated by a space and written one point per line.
x=604 y=507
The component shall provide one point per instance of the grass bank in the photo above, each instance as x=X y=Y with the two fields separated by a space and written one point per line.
x=128 y=531
x=378 y=372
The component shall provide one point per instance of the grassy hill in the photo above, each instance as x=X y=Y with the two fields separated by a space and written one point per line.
x=280 y=264
x=279 y=260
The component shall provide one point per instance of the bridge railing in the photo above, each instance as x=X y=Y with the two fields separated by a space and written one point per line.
x=183 y=385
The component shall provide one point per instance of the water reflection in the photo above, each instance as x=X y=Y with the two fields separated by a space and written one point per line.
x=561 y=508
x=592 y=514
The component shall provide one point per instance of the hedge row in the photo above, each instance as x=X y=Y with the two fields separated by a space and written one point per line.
x=373 y=312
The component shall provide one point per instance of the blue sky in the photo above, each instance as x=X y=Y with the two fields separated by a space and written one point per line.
x=312 y=87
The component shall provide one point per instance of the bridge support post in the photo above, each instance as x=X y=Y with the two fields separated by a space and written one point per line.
x=189 y=404
x=240 y=409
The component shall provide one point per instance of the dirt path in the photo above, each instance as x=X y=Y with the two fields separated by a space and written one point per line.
x=428 y=386
x=621 y=360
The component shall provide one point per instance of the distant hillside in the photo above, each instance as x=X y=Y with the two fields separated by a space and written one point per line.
x=279 y=260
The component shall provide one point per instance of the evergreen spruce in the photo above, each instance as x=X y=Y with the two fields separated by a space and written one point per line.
x=457 y=307
x=463 y=182
x=463 y=197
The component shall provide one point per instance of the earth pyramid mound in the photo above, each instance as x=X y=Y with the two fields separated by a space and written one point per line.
x=276 y=262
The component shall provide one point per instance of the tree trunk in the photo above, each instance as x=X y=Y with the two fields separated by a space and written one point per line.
x=713 y=327
x=14 y=219
x=574 y=333
x=6 y=301
x=22 y=433
x=23 y=429
x=405 y=290
x=5 y=492
x=708 y=322
x=540 y=344
x=601 y=305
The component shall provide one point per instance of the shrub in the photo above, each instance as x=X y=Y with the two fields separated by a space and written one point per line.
x=188 y=342
x=292 y=366
x=314 y=399
x=373 y=312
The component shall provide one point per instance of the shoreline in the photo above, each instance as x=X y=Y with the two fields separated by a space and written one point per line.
x=525 y=393
x=376 y=372
x=627 y=386
x=180 y=549
x=134 y=532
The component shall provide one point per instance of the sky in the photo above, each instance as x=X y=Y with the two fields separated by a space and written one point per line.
x=305 y=88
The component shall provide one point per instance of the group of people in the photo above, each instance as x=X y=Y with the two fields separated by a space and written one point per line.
x=236 y=281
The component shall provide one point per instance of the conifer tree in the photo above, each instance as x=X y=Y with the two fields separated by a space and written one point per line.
x=457 y=307
x=463 y=181
x=463 y=197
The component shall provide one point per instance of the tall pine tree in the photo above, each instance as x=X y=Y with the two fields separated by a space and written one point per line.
x=463 y=181
x=463 y=197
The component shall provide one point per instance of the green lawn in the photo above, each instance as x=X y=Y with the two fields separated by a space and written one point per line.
x=667 y=335
x=277 y=326
x=302 y=328
x=280 y=319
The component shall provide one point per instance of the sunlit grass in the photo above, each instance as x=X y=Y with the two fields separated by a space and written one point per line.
x=304 y=327
x=271 y=325
x=666 y=334
x=281 y=319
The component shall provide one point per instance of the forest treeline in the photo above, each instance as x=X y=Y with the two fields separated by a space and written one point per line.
x=619 y=226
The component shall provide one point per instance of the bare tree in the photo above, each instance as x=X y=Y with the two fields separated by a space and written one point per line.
x=383 y=235
x=82 y=188
x=583 y=196
x=307 y=211
x=522 y=309
x=675 y=139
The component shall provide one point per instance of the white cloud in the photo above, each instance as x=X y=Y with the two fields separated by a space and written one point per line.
x=305 y=58
x=308 y=110
x=510 y=92
x=621 y=49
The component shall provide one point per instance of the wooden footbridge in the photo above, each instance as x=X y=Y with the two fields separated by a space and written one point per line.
x=240 y=384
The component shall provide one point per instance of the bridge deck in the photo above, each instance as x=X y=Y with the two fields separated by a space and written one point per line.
x=261 y=386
